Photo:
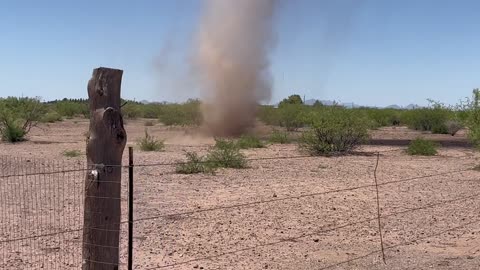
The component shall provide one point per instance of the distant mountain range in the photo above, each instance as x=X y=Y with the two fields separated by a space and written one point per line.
x=353 y=105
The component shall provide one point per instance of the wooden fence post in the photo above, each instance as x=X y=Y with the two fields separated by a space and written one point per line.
x=105 y=144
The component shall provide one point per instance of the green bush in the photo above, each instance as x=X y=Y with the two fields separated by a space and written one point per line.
x=473 y=118
x=422 y=147
x=72 y=153
x=226 y=154
x=18 y=116
x=70 y=109
x=382 y=117
x=269 y=115
x=292 y=116
x=12 y=132
x=131 y=111
x=181 y=114
x=194 y=164
x=51 y=117
x=150 y=143
x=334 y=131
x=428 y=119
x=279 y=137
x=249 y=141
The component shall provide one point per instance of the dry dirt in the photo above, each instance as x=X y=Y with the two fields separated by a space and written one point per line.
x=298 y=213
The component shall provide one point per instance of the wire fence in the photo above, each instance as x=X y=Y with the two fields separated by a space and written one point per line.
x=42 y=215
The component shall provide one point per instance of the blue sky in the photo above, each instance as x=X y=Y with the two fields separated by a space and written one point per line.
x=364 y=51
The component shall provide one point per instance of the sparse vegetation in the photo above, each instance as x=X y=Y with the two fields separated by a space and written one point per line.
x=181 y=114
x=432 y=119
x=18 y=116
x=150 y=143
x=334 y=131
x=292 y=116
x=422 y=147
x=72 y=153
x=279 y=137
x=51 y=117
x=382 y=117
x=226 y=154
x=473 y=119
x=194 y=164
x=249 y=141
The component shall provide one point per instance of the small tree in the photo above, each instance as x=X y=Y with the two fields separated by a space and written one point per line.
x=318 y=103
x=18 y=116
x=293 y=99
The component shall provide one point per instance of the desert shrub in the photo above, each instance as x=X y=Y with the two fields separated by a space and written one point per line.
x=72 y=153
x=13 y=132
x=18 y=116
x=453 y=126
x=151 y=111
x=472 y=121
x=131 y=111
x=292 y=116
x=269 y=115
x=334 y=131
x=422 y=147
x=427 y=119
x=150 y=143
x=279 y=137
x=149 y=123
x=382 y=117
x=226 y=154
x=249 y=141
x=194 y=164
x=70 y=108
x=181 y=114
x=51 y=117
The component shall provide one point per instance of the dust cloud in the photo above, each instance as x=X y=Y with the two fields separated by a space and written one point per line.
x=232 y=61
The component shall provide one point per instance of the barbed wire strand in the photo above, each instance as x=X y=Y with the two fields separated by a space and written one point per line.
x=101 y=166
x=318 y=232
x=249 y=204
x=405 y=243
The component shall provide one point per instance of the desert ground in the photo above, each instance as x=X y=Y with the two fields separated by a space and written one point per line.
x=280 y=213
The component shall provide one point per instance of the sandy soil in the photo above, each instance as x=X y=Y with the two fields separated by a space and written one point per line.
x=301 y=213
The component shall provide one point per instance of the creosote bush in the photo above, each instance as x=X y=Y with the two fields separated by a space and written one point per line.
x=428 y=119
x=51 y=117
x=150 y=143
x=226 y=154
x=422 y=147
x=249 y=141
x=279 y=137
x=334 y=131
x=195 y=164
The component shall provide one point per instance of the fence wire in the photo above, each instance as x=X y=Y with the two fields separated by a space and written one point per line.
x=42 y=213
